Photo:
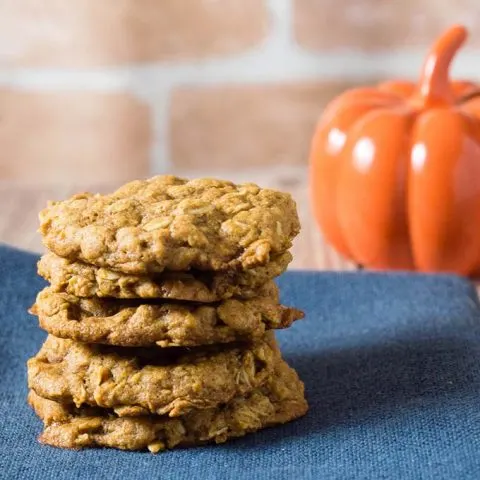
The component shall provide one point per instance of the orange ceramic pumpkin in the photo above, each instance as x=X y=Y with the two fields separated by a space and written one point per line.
x=395 y=170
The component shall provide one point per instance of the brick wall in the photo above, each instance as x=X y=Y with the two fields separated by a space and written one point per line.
x=114 y=89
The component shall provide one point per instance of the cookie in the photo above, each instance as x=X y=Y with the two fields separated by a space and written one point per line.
x=160 y=381
x=169 y=223
x=135 y=323
x=280 y=400
x=83 y=280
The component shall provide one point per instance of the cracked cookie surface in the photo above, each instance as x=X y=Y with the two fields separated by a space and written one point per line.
x=137 y=323
x=161 y=381
x=83 y=280
x=169 y=223
x=280 y=400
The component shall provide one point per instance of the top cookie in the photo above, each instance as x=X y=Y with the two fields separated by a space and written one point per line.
x=169 y=223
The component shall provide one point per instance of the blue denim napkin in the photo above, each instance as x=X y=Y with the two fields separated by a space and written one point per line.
x=391 y=365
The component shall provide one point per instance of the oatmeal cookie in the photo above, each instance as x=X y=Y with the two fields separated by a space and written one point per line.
x=169 y=223
x=280 y=400
x=160 y=381
x=142 y=323
x=83 y=280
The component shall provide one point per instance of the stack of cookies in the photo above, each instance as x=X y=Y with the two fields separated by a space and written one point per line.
x=160 y=314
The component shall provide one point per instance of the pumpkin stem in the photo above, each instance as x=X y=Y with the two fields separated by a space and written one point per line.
x=434 y=86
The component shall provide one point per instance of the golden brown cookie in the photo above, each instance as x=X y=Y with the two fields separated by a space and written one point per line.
x=135 y=323
x=280 y=400
x=161 y=381
x=83 y=280
x=169 y=223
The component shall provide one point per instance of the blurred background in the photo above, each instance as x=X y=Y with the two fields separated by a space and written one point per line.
x=95 y=93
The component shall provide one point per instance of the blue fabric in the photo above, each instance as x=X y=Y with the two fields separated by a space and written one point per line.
x=391 y=365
